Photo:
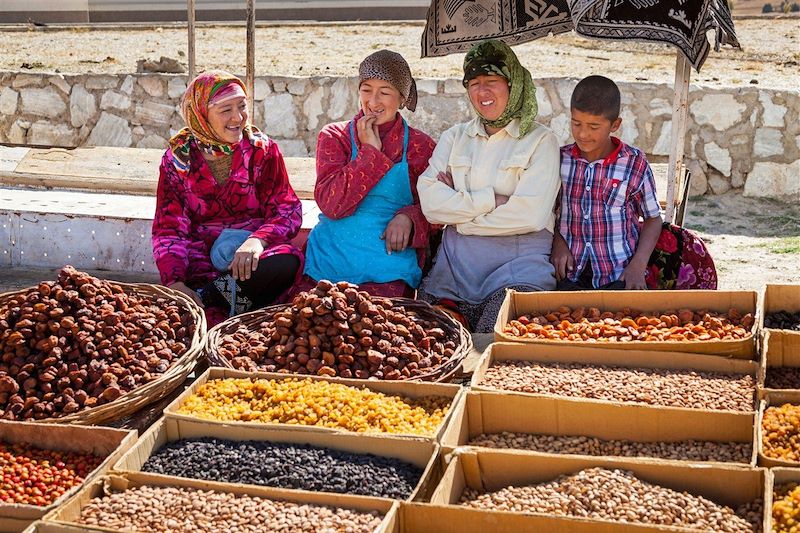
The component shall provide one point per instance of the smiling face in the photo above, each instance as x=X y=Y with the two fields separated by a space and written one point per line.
x=380 y=99
x=489 y=95
x=228 y=118
x=592 y=133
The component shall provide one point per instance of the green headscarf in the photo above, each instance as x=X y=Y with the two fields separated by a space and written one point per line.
x=495 y=57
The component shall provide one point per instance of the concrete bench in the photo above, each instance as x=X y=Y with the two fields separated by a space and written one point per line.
x=93 y=207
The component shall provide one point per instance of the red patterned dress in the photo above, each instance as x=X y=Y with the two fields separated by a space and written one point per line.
x=342 y=184
x=192 y=209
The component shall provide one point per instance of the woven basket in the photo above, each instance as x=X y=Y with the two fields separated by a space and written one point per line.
x=453 y=330
x=132 y=401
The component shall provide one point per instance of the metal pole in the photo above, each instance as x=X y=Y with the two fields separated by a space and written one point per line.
x=680 y=112
x=251 y=55
x=190 y=23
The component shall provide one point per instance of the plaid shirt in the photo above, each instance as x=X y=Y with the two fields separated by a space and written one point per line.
x=601 y=202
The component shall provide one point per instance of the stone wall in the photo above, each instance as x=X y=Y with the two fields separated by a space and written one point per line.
x=738 y=138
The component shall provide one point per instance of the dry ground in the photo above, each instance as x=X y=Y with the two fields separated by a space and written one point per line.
x=770 y=51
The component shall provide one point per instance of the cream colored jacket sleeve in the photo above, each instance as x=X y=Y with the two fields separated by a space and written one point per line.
x=530 y=207
x=440 y=203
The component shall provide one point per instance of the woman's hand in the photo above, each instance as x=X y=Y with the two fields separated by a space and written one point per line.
x=367 y=131
x=446 y=178
x=245 y=260
x=561 y=257
x=398 y=233
x=181 y=287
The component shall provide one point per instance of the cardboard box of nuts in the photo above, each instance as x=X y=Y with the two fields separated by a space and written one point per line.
x=70 y=512
x=408 y=389
x=105 y=442
x=427 y=518
x=780 y=363
x=473 y=469
x=423 y=454
x=779 y=429
x=551 y=354
x=776 y=298
x=657 y=302
x=779 y=478
x=51 y=527
x=492 y=413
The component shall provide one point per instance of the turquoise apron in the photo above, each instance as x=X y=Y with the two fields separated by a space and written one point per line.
x=351 y=248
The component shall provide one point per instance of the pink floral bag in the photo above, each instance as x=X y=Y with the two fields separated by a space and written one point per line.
x=680 y=261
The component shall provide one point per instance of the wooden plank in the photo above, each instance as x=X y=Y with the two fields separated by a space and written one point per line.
x=10 y=156
x=109 y=169
x=251 y=55
x=680 y=111
x=190 y=20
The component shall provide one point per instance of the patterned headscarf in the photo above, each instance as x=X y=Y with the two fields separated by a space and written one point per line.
x=206 y=90
x=390 y=67
x=495 y=57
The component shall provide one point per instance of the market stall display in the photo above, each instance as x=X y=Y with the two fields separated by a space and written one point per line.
x=314 y=403
x=784 y=491
x=615 y=494
x=697 y=321
x=285 y=465
x=338 y=330
x=41 y=465
x=780 y=433
x=780 y=362
x=81 y=349
x=780 y=308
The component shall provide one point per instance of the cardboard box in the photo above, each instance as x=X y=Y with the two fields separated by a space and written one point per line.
x=422 y=453
x=493 y=412
x=774 y=399
x=111 y=443
x=780 y=349
x=428 y=518
x=779 y=298
x=408 y=389
x=52 y=527
x=509 y=351
x=71 y=510
x=519 y=303
x=489 y=470
x=777 y=476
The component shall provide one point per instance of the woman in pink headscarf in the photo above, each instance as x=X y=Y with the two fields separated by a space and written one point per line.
x=222 y=181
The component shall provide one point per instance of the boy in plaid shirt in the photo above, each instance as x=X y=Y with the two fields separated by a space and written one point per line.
x=606 y=187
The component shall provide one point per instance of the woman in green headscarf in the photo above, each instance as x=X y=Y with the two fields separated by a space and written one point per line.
x=493 y=181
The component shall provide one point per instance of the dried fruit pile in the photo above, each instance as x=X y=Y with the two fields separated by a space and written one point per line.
x=81 y=342
x=780 y=432
x=286 y=465
x=593 y=325
x=186 y=510
x=337 y=330
x=786 y=508
x=783 y=320
x=314 y=403
x=782 y=377
x=617 y=495
x=33 y=476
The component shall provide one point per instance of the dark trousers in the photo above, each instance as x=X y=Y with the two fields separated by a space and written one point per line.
x=273 y=275
x=584 y=283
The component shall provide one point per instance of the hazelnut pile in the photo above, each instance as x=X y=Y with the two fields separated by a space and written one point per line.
x=81 y=342
x=337 y=330
x=593 y=325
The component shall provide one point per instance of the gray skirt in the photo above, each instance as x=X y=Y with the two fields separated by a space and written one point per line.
x=470 y=268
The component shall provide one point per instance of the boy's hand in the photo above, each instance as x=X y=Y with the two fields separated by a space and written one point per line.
x=446 y=178
x=633 y=276
x=561 y=257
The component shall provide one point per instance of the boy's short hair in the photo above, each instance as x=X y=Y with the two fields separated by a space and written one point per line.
x=597 y=95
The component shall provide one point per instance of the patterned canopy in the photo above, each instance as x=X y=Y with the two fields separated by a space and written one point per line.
x=454 y=25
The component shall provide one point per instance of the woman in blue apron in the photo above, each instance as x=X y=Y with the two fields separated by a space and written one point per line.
x=371 y=230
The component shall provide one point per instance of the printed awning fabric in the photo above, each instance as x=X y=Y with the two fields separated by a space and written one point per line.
x=454 y=25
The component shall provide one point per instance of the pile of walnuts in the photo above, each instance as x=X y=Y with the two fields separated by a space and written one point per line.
x=81 y=342
x=338 y=330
